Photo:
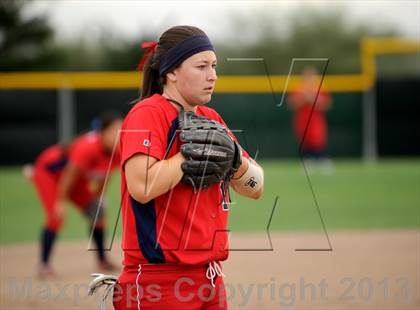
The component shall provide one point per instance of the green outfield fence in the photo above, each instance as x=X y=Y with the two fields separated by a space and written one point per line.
x=369 y=116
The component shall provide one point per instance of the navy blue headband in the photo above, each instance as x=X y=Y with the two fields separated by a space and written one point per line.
x=177 y=54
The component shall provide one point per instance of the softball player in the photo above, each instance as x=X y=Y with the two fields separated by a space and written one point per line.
x=309 y=121
x=75 y=172
x=174 y=235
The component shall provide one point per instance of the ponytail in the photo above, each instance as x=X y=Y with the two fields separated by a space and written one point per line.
x=152 y=83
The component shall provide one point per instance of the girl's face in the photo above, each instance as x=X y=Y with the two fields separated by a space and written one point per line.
x=195 y=78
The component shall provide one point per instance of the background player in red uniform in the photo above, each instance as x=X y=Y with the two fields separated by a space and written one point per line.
x=309 y=121
x=76 y=172
x=171 y=231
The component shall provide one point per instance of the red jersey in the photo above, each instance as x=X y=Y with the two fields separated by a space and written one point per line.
x=316 y=134
x=179 y=226
x=87 y=154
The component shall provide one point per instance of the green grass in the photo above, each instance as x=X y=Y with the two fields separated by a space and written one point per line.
x=356 y=196
x=385 y=195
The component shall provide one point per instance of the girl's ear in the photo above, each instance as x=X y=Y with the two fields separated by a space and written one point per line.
x=171 y=76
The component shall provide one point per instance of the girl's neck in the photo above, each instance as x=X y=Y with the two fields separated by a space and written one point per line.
x=176 y=100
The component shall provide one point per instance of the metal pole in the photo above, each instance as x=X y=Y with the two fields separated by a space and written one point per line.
x=370 y=145
x=65 y=115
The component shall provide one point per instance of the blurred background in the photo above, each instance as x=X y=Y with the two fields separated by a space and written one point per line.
x=373 y=83
x=63 y=62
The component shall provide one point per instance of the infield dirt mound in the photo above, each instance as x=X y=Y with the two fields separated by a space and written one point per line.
x=365 y=270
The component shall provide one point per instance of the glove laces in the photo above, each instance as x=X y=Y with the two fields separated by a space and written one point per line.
x=100 y=280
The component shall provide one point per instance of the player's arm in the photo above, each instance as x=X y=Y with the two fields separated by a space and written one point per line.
x=295 y=100
x=324 y=101
x=65 y=183
x=249 y=179
x=148 y=178
x=100 y=186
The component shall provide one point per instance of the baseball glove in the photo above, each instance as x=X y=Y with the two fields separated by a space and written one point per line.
x=211 y=154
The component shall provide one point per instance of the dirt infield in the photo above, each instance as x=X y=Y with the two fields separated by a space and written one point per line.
x=365 y=270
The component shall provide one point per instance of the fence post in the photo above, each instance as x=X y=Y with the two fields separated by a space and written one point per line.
x=370 y=144
x=65 y=115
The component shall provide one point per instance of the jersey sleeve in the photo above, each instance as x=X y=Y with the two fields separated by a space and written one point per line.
x=116 y=159
x=82 y=154
x=142 y=132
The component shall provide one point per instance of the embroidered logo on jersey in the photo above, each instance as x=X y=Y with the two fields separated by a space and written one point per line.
x=146 y=142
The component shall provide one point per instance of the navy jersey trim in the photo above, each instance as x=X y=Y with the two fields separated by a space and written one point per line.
x=145 y=217
x=57 y=165
x=171 y=136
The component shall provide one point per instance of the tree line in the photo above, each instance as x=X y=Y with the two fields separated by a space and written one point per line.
x=29 y=44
